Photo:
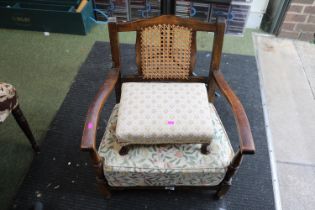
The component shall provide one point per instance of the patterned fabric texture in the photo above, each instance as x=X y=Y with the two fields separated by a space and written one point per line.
x=8 y=100
x=162 y=113
x=166 y=165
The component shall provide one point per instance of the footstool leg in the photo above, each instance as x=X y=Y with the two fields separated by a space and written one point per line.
x=204 y=149
x=124 y=150
x=21 y=120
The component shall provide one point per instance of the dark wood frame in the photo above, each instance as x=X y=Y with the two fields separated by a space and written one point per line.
x=22 y=122
x=213 y=81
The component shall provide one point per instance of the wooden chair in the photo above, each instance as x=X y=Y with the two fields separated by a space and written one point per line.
x=9 y=104
x=183 y=64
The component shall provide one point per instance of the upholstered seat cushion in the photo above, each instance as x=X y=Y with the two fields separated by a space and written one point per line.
x=166 y=165
x=162 y=113
x=8 y=100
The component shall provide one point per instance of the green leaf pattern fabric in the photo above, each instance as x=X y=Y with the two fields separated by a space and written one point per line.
x=166 y=165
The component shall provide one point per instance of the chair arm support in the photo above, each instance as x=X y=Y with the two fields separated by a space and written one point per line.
x=247 y=145
x=89 y=132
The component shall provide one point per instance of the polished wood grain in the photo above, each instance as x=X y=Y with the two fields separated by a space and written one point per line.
x=247 y=145
x=193 y=53
x=89 y=131
x=114 y=41
x=166 y=19
x=216 y=56
x=138 y=52
x=114 y=45
x=227 y=180
x=90 y=127
x=139 y=78
x=22 y=122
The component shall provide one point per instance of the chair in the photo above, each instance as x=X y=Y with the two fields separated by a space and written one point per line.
x=9 y=104
x=165 y=55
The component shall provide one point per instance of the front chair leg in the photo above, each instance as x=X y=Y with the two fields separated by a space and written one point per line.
x=100 y=177
x=22 y=122
x=227 y=181
x=103 y=187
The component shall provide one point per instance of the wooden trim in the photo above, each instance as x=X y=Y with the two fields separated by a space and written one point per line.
x=211 y=88
x=217 y=44
x=216 y=56
x=247 y=145
x=169 y=19
x=23 y=124
x=118 y=88
x=138 y=52
x=232 y=169
x=90 y=126
x=139 y=78
x=193 y=53
x=114 y=41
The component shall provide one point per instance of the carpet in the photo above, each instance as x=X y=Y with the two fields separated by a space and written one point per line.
x=61 y=177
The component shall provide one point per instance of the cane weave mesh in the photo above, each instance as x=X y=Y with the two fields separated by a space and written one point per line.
x=166 y=52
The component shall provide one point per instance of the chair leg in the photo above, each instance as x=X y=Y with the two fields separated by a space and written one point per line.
x=224 y=188
x=103 y=187
x=22 y=122
x=100 y=177
x=227 y=181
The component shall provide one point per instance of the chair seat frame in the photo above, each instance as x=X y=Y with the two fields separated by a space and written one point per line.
x=214 y=81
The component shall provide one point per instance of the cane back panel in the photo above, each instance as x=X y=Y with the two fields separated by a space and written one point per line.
x=165 y=51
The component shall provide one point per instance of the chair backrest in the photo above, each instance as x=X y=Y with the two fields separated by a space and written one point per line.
x=165 y=51
x=166 y=47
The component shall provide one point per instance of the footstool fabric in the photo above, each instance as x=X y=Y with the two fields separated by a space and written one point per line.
x=166 y=165
x=8 y=100
x=164 y=113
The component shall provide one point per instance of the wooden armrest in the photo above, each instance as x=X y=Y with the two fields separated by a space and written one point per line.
x=90 y=126
x=247 y=145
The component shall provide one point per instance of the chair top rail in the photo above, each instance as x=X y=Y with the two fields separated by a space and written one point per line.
x=195 y=25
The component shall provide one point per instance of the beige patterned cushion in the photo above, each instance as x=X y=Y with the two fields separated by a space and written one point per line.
x=167 y=165
x=8 y=100
x=161 y=113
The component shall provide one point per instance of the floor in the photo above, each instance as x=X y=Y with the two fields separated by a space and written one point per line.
x=42 y=68
x=287 y=73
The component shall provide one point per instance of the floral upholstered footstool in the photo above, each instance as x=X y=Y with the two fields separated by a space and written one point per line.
x=9 y=104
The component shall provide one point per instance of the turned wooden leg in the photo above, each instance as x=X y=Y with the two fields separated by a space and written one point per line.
x=100 y=177
x=22 y=122
x=103 y=187
x=224 y=188
x=227 y=181
x=124 y=150
x=204 y=149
